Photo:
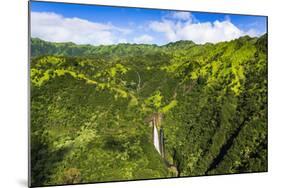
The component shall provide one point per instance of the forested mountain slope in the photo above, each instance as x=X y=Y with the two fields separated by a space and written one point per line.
x=90 y=104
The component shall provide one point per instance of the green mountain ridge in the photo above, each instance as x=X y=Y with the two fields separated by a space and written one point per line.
x=41 y=47
x=90 y=105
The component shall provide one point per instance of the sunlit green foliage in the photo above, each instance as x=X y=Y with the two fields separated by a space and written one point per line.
x=89 y=106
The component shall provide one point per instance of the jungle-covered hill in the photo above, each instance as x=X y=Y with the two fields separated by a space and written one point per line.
x=90 y=104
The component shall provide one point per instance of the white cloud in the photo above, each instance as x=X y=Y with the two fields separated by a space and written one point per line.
x=122 y=40
x=56 y=28
x=253 y=33
x=167 y=27
x=174 y=26
x=185 y=16
x=143 y=39
x=199 y=32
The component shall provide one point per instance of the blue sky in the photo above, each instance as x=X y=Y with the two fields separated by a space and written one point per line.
x=91 y=24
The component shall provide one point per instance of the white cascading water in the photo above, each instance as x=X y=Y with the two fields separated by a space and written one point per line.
x=156 y=139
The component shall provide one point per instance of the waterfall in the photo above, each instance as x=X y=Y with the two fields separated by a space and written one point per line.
x=156 y=139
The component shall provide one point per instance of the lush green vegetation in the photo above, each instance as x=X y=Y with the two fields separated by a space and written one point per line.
x=90 y=104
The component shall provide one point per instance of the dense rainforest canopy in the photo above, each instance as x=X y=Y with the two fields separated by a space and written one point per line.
x=89 y=106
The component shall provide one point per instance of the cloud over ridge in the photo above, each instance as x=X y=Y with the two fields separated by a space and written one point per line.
x=143 y=39
x=171 y=27
x=183 y=26
x=56 y=28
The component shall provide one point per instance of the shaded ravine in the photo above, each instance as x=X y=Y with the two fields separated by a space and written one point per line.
x=224 y=149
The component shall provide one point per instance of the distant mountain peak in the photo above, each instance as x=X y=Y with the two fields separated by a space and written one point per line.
x=180 y=42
